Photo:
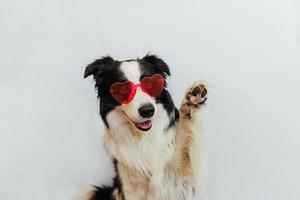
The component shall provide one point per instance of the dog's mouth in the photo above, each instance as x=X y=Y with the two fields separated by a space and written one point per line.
x=144 y=126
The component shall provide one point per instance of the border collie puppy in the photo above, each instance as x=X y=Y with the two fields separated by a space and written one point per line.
x=154 y=146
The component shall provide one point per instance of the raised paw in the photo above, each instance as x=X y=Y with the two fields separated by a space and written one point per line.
x=196 y=95
x=194 y=98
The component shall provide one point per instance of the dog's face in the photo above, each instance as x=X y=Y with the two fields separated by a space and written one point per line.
x=142 y=110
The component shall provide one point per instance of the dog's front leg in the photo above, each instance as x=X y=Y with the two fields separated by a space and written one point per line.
x=188 y=141
x=134 y=185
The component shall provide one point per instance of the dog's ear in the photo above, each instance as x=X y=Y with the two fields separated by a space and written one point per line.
x=158 y=64
x=95 y=67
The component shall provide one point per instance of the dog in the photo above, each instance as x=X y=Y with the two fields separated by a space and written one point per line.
x=155 y=148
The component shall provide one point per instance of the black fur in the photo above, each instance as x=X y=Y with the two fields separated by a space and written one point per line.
x=117 y=181
x=157 y=64
x=106 y=192
x=106 y=71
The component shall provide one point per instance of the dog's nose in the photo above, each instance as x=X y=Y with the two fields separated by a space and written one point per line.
x=147 y=111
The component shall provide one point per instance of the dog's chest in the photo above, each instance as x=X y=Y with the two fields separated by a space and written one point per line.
x=147 y=154
x=166 y=185
x=149 y=172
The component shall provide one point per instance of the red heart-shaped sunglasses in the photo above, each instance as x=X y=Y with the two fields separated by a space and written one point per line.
x=125 y=92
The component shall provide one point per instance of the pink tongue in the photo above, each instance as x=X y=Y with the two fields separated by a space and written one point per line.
x=145 y=125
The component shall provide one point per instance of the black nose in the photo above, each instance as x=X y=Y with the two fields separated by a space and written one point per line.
x=147 y=111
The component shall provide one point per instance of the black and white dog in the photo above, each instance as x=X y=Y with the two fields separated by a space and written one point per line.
x=155 y=147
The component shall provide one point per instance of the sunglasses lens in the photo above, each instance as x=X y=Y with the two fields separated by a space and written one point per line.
x=153 y=85
x=124 y=92
x=121 y=92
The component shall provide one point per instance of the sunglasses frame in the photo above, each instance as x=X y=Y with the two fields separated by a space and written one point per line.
x=133 y=88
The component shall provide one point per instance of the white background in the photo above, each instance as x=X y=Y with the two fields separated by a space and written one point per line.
x=248 y=52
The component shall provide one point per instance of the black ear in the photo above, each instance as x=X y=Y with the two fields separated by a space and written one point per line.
x=95 y=67
x=157 y=63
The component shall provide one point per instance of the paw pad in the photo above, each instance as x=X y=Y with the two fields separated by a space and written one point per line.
x=196 y=95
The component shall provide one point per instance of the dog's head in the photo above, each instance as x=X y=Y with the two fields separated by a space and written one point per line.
x=143 y=108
